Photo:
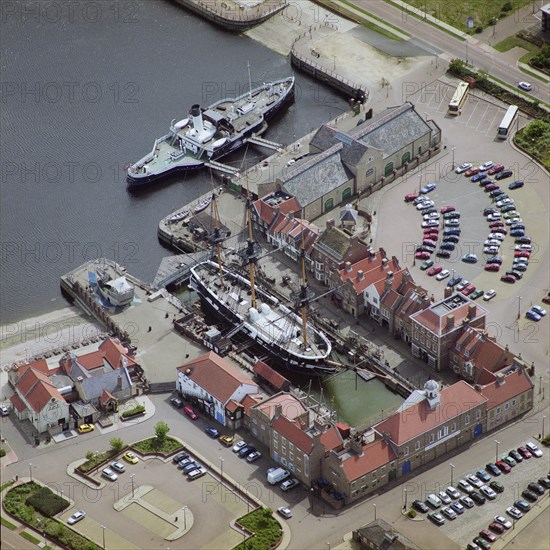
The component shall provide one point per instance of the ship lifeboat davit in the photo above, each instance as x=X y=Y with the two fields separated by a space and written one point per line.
x=181 y=124
x=219 y=142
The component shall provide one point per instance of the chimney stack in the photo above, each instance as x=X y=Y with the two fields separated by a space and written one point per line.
x=348 y=266
x=330 y=223
x=447 y=292
x=450 y=321
x=471 y=311
x=360 y=275
x=118 y=383
x=278 y=410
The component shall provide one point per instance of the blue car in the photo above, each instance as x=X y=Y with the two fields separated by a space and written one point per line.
x=447 y=246
x=516 y=184
x=212 y=432
x=486 y=181
x=496 y=193
x=478 y=177
x=530 y=314
x=495 y=260
x=427 y=188
x=517 y=233
x=455 y=280
x=451 y=231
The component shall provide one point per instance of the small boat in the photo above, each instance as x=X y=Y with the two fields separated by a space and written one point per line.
x=118 y=292
x=178 y=216
x=203 y=205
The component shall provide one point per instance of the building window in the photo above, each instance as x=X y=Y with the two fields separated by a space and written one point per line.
x=319 y=266
x=478 y=415
x=291 y=455
x=417 y=446
x=466 y=419
x=275 y=436
x=406 y=451
x=506 y=406
x=388 y=169
x=432 y=438
x=453 y=427
x=498 y=411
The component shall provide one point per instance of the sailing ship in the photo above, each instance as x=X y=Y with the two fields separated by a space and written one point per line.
x=238 y=301
x=118 y=292
x=211 y=133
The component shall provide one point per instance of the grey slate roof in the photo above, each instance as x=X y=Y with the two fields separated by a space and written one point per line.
x=352 y=149
x=348 y=214
x=382 y=535
x=393 y=130
x=93 y=387
x=335 y=241
x=316 y=177
x=83 y=409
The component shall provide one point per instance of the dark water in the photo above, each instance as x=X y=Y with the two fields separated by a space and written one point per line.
x=86 y=88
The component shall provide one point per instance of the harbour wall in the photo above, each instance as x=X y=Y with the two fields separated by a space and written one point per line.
x=231 y=16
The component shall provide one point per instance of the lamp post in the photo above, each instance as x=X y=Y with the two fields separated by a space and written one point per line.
x=184 y=518
x=374 y=511
x=30 y=470
x=221 y=470
x=405 y=505
x=519 y=306
x=426 y=116
x=328 y=544
x=103 y=527
x=496 y=452
x=452 y=473
x=543 y=418
x=132 y=479
x=453 y=150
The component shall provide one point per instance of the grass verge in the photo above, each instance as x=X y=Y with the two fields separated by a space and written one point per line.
x=515 y=42
x=30 y=537
x=7 y=523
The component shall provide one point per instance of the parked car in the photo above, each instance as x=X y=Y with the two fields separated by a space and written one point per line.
x=451 y=216
x=474 y=481
x=483 y=475
x=529 y=495
x=176 y=402
x=504 y=202
x=468 y=290
x=185 y=462
x=179 y=457
x=457 y=507
x=515 y=455
x=84 y=428
x=410 y=197
x=482 y=543
x=77 y=516
x=536 y=488
x=538 y=309
x=419 y=506
x=246 y=450
x=109 y=474
x=493 y=469
x=463 y=167
x=522 y=254
x=130 y=457
x=469 y=258
x=227 y=440
x=503 y=467
x=496 y=486
x=422 y=255
x=496 y=527
x=443 y=254
x=463 y=284
x=451 y=231
x=444 y=497
x=447 y=246
x=526 y=86
x=451 y=239
x=530 y=314
x=544 y=482
x=491 y=293
x=492 y=250
x=195 y=474
x=522 y=505
x=285 y=512
x=477 y=294
x=190 y=413
x=509 y=460
x=490 y=267
x=430 y=223
x=510 y=210
x=493 y=217
x=491 y=187
x=454 y=280
x=520 y=267
x=118 y=466
x=516 y=274
x=289 y=484
x=522 y=240
x=504 y=174
x=488 y=492
x=478 y=177
x=438 y=519
x=508 y=279
x=495 y=169
x=212 y=432
x=253 y=456
x=514 y=512
x=433 y=500
x=449 y=513
x=452 y=223
x=426 y=264
x=487 y=535
x=427 y=188
x=452 y=492
x=465 y=486
x=238 y=445
x=431 y=216
x=502 y=230
x=471 y=172
x=487 y=165
x=191 y=466
x=486 y=181
x=447 y=209
x=478 y=498
x=506 y=523
x=443 y=274
x=516 y=184
x=489 y=210
x=524 y=452
x=467 y=501
x=434 y=270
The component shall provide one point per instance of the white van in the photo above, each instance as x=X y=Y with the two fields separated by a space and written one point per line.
x=277 y=475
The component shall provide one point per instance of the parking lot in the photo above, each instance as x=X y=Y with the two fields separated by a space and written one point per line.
x=467 y=525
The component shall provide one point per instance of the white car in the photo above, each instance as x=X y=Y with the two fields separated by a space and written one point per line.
x=523 y=247
x=238 y=446
x=109 y=474
x=285 y=512
x=489 y=295
x=491 y=242
x=473 y=480
x=433 y=500
x=452 y=223
x=493 y=217
x=486 y=166
x=512 y=221
x=492 y=250
x=424 y=205
x=497 y=236
x=444 y=497
x=430 y=223
x=4 y=411
x=463 y=167
x=431 y=216
x=506 y=523
x=514 y=512
x=526 y=86
x=538 y=309
x=118 y=466
x=504 y=202
x=533 y=449
x=77 y=516
x=443 y=275
x=465 y=486
x=488 y=492
x=452 y=492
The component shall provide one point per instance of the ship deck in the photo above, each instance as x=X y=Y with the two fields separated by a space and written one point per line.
x=274 y=322
x=164 y=161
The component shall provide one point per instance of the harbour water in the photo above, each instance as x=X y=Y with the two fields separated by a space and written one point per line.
x=85 y=91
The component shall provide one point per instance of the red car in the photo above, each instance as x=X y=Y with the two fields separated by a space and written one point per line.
x=491 y=187
x=434 y=270
x=431 y=237
x=501 y=230
x=491 y=267
x=496 y=169
x=429 y=242
x=522 y=254
x=471 y=172
x=494 y=225
x=496 y=527
x=468 y=290
x=508 y=279
x=524 y=452
x=410 y=197
x=501 y=465
x=423 y=256
x=487 y=535
x=446 y=209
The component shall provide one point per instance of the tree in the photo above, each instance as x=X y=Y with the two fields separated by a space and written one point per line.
x=116 y=444
x=384 y=83
x=161 y=431
x=456 y=66
x=89 y=455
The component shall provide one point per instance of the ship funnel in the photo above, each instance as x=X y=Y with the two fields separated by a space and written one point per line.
x=195 y=113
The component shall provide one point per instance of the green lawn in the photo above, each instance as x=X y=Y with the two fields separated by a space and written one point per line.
x=456 y=12
x=513 y=42
x=266 y=528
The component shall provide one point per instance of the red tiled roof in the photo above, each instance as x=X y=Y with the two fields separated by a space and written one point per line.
x=375 y=454
x=28 y=379
x=105 y=397
x=41 y=394
x=397 y=281
x=291 y=407
x=293 y=434
x=40 y=365
x=331 y=439
x=270 y=375
x=514 y=384
x=18 y=402
x=389 y=298
x=110 y=351
x=419 y=418
x=267 y=213
x=250 y=400
x=373 y=271
x=232 y=406
x=216 y=375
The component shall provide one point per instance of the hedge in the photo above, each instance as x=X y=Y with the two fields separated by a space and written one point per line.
x=47 y=502
x=139 y=409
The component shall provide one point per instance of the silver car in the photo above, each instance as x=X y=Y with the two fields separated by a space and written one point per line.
x=109 y=474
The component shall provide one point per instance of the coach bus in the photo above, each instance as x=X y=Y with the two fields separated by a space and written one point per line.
x=459 y=98
x=507 y=121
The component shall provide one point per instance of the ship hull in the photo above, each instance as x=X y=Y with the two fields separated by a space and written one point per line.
x=282 y=356
x=139 y=180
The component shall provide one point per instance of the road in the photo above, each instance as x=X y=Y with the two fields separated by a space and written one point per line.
x=471 y=51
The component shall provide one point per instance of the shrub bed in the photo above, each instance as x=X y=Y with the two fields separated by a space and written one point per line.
x=16 y=503
x=140 y=409
x=459 y=68
x=47 y=502
x=151 y=445
x=535 y=140
x=266 y=529
x=2 y=452
x=96 y=461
